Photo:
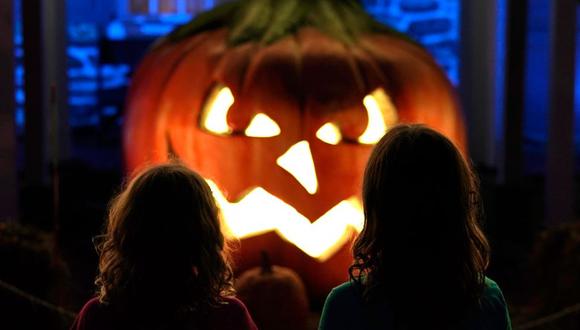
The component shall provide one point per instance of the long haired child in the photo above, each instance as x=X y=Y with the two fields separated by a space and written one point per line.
x=421 y=257
x=163 y=259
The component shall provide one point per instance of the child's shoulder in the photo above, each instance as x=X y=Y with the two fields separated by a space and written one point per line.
x=493 y=300
x=494 y=307
x=492 y=290
x=92 y=315
x=346 y=295
x=344 y=287
x=91 y=307
x=232 y=303
x=349 y=288
x=232 y=313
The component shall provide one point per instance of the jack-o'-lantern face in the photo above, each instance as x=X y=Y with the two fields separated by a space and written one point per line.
x=282 y=127
x=265 y=207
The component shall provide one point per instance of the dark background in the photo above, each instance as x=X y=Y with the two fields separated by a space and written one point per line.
x=537 y=266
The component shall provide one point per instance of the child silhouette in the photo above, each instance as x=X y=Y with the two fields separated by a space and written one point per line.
x=163 y=259
x=421 y=256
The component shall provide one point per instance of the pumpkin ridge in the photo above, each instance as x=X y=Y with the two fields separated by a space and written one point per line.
x=203 y=38
x=329 y=77
x=243 y=73
x=193 y=44
x=250 y=68
x=301 y=97
x=373 y=61
x=179 y=61
x=362 y=73
x=387 y=68
x=357 y=70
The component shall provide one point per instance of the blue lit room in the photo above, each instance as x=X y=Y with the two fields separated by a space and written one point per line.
x=289 y=164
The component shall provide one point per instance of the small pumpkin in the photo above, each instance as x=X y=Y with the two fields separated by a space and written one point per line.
x=275 y=296
x=279 y=103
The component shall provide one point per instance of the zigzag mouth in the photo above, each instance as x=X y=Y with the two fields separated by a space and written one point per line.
x=259 y=212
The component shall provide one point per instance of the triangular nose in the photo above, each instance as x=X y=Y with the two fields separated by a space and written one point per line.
x=297 y=160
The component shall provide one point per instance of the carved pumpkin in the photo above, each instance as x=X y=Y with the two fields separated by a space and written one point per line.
x=278 y=104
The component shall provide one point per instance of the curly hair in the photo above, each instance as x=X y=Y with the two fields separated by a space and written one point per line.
x=421 y=246
x=163 y=248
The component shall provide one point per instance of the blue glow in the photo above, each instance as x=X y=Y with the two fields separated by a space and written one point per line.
x=500 y=68
x=19 y=74
x=577 y=94
x=90 y=119
x=537 y=77
x=78 y=100
x=83 y=61
x=175 y=19
x=110 y=111
x=536 y=86
x=19 y=96
x=139 y=19
x=577 y=90
x=18 y=38
x=156 y=29
x=82 y=86
x=433 y=23
x=115 y=76
x=419 y=5
x=116 y=31
x=153 y=6
x=83 y=32
x=19 y=118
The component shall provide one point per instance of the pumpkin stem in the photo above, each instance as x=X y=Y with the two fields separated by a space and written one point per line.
x=266 y=263
x=266 y=21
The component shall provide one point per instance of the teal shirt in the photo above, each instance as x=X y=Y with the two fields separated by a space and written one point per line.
x=344 y=309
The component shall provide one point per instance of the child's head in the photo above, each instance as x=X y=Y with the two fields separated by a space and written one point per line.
x=421 y=206
x=163 y=239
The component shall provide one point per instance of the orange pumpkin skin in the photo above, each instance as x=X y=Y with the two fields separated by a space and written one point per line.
x=301 y=80
x=275 y=297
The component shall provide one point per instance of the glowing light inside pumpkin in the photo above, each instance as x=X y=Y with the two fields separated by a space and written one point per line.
x=259 y=212
x=215 y=112
x=381 y=114
x=297 y=160
x=329 y=133
x=262 y=126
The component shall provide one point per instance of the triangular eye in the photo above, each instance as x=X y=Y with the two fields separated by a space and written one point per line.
x=329 y=133
x=215 y=111
x=262 y=126
x=381 y=116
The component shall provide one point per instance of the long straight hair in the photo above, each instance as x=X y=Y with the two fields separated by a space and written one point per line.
x=421 y=247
